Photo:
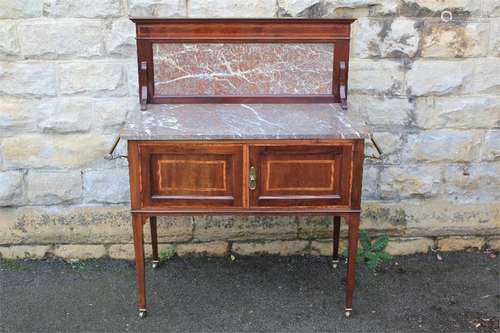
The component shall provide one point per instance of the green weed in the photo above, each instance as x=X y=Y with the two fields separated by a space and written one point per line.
x=167 y=254
x=371 y=252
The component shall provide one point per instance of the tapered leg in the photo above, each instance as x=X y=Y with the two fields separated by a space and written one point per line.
x=137 y=223
x=351 y=264
x=336 y=235
x=154 y=241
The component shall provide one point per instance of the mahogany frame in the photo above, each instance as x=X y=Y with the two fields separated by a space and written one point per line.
x=285 y=30
x=336 y=31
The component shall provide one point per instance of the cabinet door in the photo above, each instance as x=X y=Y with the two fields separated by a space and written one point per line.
x=191 y=175
x=302 y=175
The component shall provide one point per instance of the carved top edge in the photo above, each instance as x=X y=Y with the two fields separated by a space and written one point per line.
x=222 y=28
x=152 y=20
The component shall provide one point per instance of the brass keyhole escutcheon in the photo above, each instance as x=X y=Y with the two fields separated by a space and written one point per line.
x=252 y=181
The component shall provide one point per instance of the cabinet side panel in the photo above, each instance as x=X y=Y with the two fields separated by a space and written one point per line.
x=134 y=174
x=357 y=173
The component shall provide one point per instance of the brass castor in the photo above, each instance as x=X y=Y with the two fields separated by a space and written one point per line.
x=335 y=264
x=142 y=313
x=155 y=264
x=348 y=313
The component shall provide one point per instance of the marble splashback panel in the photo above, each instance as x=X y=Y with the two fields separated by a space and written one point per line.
x=242 y=69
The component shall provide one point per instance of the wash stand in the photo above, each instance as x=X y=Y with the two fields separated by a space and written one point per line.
x=244 y=117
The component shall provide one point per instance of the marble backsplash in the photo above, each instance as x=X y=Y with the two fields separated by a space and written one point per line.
x=242 y=69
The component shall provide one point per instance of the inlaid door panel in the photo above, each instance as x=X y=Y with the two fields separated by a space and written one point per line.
x=300 y=175
x=193 y=175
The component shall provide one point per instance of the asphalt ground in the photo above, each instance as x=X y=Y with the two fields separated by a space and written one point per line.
x=252 y=294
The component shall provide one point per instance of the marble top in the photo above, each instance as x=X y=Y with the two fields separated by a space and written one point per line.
x=243 y=121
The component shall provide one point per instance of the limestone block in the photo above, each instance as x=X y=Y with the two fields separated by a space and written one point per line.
x=423 y=8
x=443 y=145
x=79 y=251
x=121 y=39
x=495 y=37
x=280 y=247
x=317 y=227
x=356 y=3
x=65 y=224
x=43 y=225
x=125 y=251
x=17 y=115
x=132 y=79
x=158 y=8
x=244 y=227
x=392 y=38
x=390 y=143
x=107 y=186
x=48 y=187
x=347 y=8
x=444 y=218
x=28 y=79
x=55 y=38
x=370 y=76
x=11 y=188
x=381 y=111
x=383 y=216
x=461 y=112
x=310 y=227
x=491 y=8
x=375 y=7
x=430 y=217
x=370 y=181
x=217 y=249
x=83 y=8
x=476 y=183
x=65 y=115
x=172 y=229
x=22 y=152
x=410 y=245
x=410 y=181
x=8 y=39
x=24 y=251
x=232 y=8
x=13 y=9
x=338 y=8
x=55 y=151
x=433 y=77
x=444 y=40
x=486 y=77
x=112 y=112
x=95 y=78
x=385 y=8
x=324 y=247
x=294 y=7
x=491 y=147
x=460 y=243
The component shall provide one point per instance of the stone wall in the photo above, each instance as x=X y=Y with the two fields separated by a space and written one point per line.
x=430 y=90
